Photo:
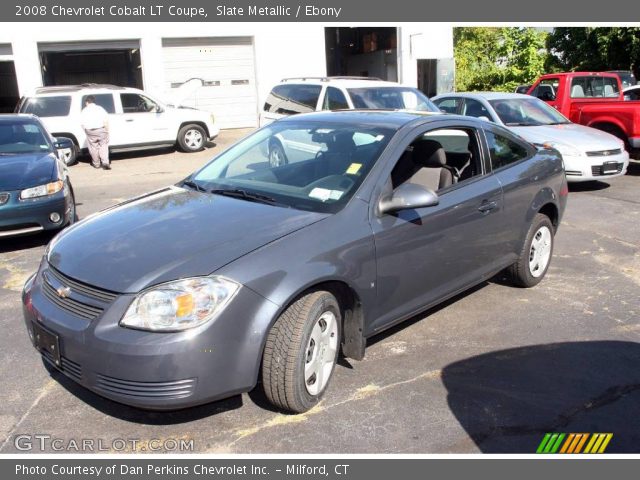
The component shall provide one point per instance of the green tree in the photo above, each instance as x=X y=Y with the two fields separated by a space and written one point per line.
x=594 y=48
x=489 y=58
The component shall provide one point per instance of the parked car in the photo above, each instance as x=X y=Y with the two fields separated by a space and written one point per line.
x=631 y=93
x=284 y=266
x=627 y=78
x=588 y=154
x=593 y=99
x=137 y=120
x=311 y=94
x=35 y=190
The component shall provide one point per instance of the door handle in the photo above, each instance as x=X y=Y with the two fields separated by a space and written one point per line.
x=486 y=207
x=129 y=120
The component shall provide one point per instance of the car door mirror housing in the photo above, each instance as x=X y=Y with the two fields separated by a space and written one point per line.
x=406 y=197
x=485 y=118
x=62 y=143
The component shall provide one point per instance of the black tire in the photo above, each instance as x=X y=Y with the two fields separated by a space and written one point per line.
x=74 y=212
x=521 y=272
x=277 y=157
x=286 y=352
x=72 y=158
x=192 y=138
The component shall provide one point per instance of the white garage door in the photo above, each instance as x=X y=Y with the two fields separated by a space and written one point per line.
x=226 y=65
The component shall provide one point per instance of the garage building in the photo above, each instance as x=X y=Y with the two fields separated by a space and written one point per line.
x=237 y=63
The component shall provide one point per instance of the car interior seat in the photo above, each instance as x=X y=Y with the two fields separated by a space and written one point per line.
x=424 y=163
x=577 y=91
x=608 y=91
x=475 y=109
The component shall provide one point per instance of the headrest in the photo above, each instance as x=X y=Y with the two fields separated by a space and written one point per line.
x=429 y=153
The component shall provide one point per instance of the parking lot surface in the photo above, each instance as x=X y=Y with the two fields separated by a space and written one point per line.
x=491 y=371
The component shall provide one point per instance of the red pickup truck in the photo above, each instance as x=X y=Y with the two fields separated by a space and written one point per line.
x=592 y=99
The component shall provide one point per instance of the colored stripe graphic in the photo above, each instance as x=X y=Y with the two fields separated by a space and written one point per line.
x=572 y=443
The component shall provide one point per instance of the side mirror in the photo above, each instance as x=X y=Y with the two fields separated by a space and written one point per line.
x=62 y=142
x=485 y=118
x=158 y=109
x=408 y=196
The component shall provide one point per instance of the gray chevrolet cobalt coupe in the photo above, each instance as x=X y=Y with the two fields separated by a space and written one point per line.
x=244 y=270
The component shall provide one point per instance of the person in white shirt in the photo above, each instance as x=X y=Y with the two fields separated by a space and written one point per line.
x=95 y=122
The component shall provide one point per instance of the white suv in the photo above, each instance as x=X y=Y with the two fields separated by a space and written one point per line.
x=310 y=94
x=136 y=119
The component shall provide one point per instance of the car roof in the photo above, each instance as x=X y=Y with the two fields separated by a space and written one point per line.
x=394 y=119
x=485 y=95
x=76 y=88
x=347 y=82
x=18 y=118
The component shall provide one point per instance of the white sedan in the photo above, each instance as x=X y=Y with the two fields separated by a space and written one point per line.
x=588 y=153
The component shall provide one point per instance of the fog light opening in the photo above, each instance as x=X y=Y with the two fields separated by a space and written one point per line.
x=55 y=217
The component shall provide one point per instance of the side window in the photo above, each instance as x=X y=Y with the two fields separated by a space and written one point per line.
x=504 y=151
x=135 y=103
x=290 y=99
x=105 y=100
x=334 y=99
x=547 y=89
x=449 y=105
x=473 y=108
x=53 y=106
x=439 y=159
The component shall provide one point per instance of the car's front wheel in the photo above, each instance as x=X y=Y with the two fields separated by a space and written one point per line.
x=192 y=138
x=535 y=256
x=301 y=352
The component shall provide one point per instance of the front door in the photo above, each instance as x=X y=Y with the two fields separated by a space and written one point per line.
x=142 y=121
x=426 y=254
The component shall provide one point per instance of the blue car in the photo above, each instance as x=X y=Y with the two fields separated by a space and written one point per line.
x=35 y=190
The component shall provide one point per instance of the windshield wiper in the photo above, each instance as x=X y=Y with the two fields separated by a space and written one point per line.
x=244 y=194
x=194 y=185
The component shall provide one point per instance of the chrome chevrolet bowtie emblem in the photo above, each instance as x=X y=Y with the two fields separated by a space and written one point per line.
x=63 y=292
x=606 y=152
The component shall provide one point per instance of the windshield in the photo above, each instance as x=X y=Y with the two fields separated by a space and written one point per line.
x=526 y=112
x=304 y=165
x=22 y=138
x=396 y=98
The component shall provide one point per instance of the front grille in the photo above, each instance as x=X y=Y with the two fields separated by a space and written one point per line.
x=4 y=198
x=597 y=170
x=82 y=288
x=68 y=367
x=604 y=153
x=149 y=390
x=82 y=310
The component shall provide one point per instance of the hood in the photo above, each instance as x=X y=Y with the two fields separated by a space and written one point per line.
x=166 y=235
x=585 y=139
x=177 y=96
x=26 y=170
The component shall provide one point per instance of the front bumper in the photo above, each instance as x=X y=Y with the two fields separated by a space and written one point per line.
x=585 y=168
x=159 y=371
x=19 y=217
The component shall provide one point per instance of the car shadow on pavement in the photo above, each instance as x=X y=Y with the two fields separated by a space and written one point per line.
x=26 y=242
x=591 y=186
x=508 y=400
x=634 y=168
x=137 y=415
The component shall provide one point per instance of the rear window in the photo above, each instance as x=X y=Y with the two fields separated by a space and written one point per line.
x=292 y=99
x=105 y=100
x=594 y=87
x=57 y=106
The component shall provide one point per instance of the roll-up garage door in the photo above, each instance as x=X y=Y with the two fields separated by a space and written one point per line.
x=226 y=66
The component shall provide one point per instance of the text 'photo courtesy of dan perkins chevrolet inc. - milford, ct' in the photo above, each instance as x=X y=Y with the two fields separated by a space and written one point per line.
x=185 y=11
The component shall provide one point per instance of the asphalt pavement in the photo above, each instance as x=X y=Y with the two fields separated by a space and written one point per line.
x=491 y=371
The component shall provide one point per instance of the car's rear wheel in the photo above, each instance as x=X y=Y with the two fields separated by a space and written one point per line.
x=192 y=138
x=69 y=156
x=535 y=256
x=301 y=352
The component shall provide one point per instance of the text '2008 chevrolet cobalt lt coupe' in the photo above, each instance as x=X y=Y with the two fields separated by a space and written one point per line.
x=188 y=294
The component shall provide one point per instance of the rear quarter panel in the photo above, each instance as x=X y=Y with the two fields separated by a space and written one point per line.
x=528 y=186
x=624 y=115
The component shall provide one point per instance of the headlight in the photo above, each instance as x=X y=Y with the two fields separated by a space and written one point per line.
x=180 y=305
x=42 y=190
x=564 y=149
